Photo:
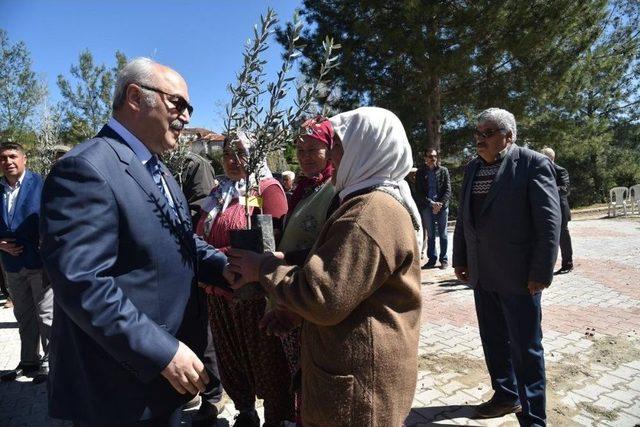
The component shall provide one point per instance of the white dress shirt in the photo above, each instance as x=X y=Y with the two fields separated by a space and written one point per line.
x=140 y=150
x=10 y=195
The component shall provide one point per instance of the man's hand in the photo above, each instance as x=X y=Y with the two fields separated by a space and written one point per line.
x=535 y=287
x=436 y=207
x=9 y=245
x=186 y=372
x=462 y=273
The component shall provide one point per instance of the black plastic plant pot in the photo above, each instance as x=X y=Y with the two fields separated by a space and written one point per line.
x=259 y=239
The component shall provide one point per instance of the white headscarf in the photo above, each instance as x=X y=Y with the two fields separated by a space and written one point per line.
x=228 y=190
x=376 y=154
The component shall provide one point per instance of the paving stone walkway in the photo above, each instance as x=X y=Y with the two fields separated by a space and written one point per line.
x=591 y=324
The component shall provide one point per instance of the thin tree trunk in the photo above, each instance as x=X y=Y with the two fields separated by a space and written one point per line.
x=433 y=112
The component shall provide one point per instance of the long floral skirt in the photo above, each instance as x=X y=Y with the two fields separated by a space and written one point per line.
x=251 y=363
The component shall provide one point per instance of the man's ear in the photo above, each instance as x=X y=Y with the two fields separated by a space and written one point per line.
x=134 y=97
x=509 y=137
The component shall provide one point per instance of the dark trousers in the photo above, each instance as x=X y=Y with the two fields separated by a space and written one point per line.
x=436 y=225
x=566 y=250
x=33 y=309
x=511 y=336
x=3 y=285
x=171 y=420
x=213 y=390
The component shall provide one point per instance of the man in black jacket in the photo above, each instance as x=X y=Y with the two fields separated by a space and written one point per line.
x=562 y=180
x=433 y=188
x=505 y=245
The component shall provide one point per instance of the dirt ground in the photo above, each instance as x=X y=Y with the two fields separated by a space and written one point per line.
x=562 y=376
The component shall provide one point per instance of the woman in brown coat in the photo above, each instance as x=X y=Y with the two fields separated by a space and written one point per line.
x=359 y=289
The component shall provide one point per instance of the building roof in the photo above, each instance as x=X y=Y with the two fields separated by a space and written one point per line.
x=201 y=133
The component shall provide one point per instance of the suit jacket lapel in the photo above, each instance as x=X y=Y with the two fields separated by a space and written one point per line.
x=145 y=181
x=143 y=178
x=176 y=193
x=3 y=205
x=507 y=163
x=24 y=191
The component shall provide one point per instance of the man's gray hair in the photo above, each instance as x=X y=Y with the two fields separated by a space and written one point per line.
x=138 y=71
x=502 y=118
x=548 y=151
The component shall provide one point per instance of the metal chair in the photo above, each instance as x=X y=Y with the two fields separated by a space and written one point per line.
x=634 y=198
x=617 y=200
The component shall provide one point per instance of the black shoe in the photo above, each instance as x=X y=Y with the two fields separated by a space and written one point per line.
x=564 y=269
x=494 y=409
x=19 y=371
x=42 y=375
x=429 y=264
x=247 y=419
x=443 y=265
x=205 y=416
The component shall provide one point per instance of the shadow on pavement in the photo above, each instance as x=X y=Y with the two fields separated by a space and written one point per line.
x=441 y=414
x=449 y=285
x=8 y=325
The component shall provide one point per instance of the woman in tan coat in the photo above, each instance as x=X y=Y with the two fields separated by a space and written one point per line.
x=359 y=289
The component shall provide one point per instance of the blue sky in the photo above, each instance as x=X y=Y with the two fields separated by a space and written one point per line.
x=203 y=40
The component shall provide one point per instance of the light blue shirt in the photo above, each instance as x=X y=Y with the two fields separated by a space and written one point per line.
x=140 y=150
x=10 y=195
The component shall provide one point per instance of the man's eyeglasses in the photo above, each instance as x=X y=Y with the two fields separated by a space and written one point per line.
x=179 y=102
x=487 y=134
x=431 y=156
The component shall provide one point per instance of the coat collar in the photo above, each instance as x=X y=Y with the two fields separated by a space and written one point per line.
x=142 y=177
x=510 y=159
x=25 y=186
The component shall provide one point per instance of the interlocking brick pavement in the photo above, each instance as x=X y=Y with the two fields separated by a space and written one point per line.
x=591 y=324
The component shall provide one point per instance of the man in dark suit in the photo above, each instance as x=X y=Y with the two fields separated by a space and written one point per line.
x=562 y=181
x=119 y=249
x=505 y=245
x=20 y=257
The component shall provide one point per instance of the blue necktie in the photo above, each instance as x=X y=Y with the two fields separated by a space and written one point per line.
x=153 y=166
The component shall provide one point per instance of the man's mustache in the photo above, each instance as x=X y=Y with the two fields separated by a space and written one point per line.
x=176 y=125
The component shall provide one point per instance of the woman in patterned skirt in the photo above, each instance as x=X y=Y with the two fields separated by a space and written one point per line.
x=251 y=363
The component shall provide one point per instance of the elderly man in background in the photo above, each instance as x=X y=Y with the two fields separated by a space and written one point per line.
x=562 y=181
x=505 y=245
x=287 y=181
x=118 y=245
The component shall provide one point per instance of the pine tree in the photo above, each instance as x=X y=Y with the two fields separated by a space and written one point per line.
x=87 y=100
x=20 y=90
x=437 y=63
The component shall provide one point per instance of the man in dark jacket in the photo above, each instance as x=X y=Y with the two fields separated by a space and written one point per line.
x=197 y=181
x=433 y=188
x=505 y=245
x=562 y=181
x=124 y=263
x=20 y=258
